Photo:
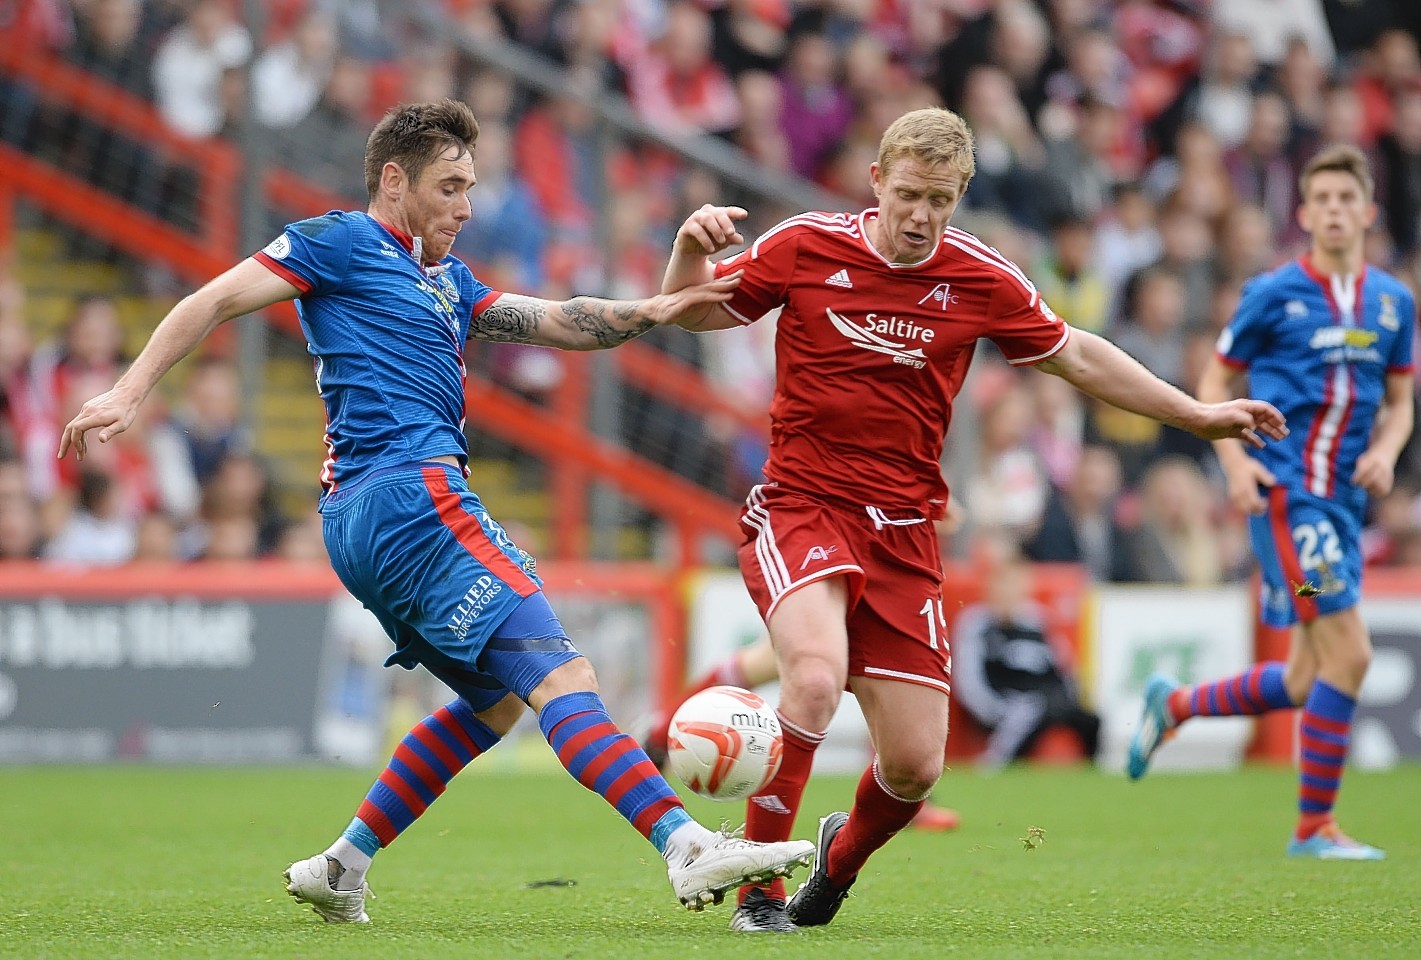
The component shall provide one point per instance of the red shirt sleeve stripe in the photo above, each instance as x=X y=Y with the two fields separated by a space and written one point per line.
x=486 y=301
x=283 y=271
x=1026 y=361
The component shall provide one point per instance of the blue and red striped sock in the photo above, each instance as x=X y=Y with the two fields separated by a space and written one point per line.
x=608 y=762
x=1322 y=742
x=1257 y=690
x=428 y=757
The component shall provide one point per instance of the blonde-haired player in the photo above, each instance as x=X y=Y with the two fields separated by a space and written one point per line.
x=881 y=312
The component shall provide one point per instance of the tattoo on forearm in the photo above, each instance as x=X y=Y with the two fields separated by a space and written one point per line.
x=608 y=323
x=604 y=323
x=509 y=320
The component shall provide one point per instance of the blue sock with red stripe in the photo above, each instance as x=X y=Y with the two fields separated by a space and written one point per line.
x=1322 y=743
x=608 y=762
x=1258 y=690
x=428 y=757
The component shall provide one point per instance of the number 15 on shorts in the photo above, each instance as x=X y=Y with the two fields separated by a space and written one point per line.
x=937 y=622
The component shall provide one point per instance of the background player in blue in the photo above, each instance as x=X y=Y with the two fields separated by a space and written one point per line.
x=1328 y=341
x=386 y=312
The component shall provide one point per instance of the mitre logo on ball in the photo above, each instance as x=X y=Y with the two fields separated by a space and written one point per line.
x=725 y=743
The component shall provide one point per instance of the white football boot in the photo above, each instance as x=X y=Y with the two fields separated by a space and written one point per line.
x=309 y=882
x=707 y=873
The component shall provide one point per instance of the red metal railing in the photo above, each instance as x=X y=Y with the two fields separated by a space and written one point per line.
x=300 y=197
x=556 y=433
x=694 y=512
x=74 y=201
x=679 y=383
x=216 y=163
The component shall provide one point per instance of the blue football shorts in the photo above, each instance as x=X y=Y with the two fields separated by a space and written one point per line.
x=1309 y=552
x=417 y=548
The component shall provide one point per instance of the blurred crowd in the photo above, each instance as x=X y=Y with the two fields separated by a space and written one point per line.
x=182 y=483
x=1138 y=158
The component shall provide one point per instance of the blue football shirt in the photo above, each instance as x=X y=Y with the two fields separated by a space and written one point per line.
x=387 y=334
x=1319 y=349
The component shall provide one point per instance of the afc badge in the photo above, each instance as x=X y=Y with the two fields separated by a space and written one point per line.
x=941 y=295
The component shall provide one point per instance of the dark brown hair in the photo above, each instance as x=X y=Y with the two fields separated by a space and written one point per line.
x=414 y=135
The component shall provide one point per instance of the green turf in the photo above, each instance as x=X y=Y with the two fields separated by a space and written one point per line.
x=178 y=863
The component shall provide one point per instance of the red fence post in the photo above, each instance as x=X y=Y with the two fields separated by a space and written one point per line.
x=7 y=224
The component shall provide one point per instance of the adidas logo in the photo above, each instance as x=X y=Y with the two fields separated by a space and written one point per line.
x=773 y=803
x=841 y=279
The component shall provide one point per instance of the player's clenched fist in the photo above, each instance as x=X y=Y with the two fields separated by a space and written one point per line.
x=710 y=230
x=1375 y=473
x=1246 y=480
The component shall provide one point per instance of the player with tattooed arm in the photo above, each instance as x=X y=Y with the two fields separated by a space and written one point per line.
x=386 y=312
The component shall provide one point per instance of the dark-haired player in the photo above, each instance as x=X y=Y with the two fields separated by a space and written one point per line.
x=386 y=312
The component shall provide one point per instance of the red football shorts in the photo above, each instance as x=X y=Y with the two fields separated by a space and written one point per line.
x=891 y=564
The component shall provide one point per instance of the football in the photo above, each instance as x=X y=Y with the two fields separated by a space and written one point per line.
x=725 y=743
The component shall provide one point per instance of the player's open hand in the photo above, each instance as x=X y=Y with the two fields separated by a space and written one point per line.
x=691 y=305
x=109 y=413
x=1243 y=419
x=710 y=230
x=1375 y=472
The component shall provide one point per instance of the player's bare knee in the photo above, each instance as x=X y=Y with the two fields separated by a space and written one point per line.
x=574 y=676
x=1349 y=667
x=1298 y=679
x=810 y=693
x=501 y=717
x=910 y=779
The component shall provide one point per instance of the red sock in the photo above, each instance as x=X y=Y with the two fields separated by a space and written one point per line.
x=769 y=816
x=878 y=813
x=1178 y=703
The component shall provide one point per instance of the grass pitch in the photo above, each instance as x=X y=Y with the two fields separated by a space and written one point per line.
x=144 y=862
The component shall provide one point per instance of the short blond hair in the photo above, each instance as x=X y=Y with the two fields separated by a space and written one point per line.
x=1343 y=158
x=932 y=135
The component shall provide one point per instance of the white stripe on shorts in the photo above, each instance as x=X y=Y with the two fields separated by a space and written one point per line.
x=772 y=562
x=942 y=685
x=776 y=597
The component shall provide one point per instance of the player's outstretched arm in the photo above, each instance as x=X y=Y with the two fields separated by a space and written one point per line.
x=590 y=323
x=246 y=287
x=1101 y=369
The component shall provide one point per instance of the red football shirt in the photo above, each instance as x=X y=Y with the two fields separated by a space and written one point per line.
x=869 y=354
